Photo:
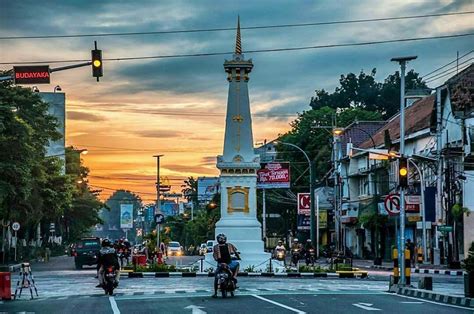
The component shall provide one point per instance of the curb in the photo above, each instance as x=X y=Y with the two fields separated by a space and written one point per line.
x=439 y=272
x=437 y=297
x=245 y=274
x=425 y=270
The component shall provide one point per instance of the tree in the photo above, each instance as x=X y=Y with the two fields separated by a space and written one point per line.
x=190 y=191
x=363 y=91
x=85 y=207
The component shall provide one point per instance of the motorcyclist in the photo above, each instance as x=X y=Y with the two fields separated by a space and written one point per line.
x=280 y=247
x=307 y=249
x=222 y=253
x=296 y=249
x=107 y=257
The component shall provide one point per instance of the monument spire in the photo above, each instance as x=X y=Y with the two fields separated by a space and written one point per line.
x=238 y=41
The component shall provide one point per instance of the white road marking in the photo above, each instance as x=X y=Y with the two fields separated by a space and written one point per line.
x=366 y=306
x=412 y=302
x=195 y=309
x=278 y=304
x=114 y=306
x=437 y=303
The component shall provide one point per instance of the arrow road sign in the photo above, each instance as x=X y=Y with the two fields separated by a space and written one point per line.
x=159 y=218
x=16 y=226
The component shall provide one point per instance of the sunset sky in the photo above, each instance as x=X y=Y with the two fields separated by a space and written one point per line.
x=176 y=106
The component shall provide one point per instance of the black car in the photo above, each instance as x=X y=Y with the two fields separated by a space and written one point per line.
x=86 y=252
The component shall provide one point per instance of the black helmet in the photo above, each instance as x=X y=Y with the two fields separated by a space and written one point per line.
x=106 y=243
x=221 y=238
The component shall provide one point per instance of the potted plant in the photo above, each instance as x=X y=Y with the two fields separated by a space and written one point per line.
x=468 y=265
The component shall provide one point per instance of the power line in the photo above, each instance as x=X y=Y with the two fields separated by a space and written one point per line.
x=447 y=73
x=441 y=74
x=436 y=70
x=243 y=28
x=367 y=43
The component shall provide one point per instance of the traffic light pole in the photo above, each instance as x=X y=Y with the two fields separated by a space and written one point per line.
x=401 y=246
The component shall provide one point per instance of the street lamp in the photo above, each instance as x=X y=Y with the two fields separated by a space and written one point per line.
x=314 y=235
x=401 y=249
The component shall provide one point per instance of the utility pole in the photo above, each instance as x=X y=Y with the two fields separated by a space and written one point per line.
x=401 y=249
x=158 y=201
x=439 y=176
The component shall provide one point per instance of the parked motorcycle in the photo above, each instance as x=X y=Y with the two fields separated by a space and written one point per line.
x=110 y=282
x=225 y=283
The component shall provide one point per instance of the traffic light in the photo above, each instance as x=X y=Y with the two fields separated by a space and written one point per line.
x=97 y=67
x=403 y=172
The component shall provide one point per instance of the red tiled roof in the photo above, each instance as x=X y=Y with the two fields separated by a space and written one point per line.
x=417 y=117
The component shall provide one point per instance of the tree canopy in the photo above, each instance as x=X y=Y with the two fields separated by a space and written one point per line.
x=363 y=91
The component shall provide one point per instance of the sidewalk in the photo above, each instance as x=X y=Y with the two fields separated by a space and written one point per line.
x=418 y=268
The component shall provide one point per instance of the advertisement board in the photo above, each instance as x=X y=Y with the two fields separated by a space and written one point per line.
x=126 y=216
x=304 y=221
x=207 y=188
x=273 y=175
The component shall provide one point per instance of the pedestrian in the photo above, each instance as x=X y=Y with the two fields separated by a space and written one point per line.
x=411 y=247
x=163 y=248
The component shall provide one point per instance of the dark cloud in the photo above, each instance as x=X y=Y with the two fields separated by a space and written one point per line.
x=208 y=161
x=161 y=133
x=190 y=169
x=84 y=116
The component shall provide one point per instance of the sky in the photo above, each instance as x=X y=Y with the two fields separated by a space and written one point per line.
x=176 y=106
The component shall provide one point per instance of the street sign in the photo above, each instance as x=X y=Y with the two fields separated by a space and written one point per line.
x=32 y=74
x=304 y=203
x=445 y=228
x=159 y=218
x=392 y=204
x=16 y=226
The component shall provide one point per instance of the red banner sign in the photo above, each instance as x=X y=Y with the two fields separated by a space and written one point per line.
x=37 y=74
x=274 y=175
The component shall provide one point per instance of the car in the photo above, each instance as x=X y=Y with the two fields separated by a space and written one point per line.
x=202 y=249
x=210 y=244
x=174 y=248
x=86 y=252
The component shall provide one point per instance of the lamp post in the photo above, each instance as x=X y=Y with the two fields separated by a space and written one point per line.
x=313 y=234
x=158 y=201
x=401 y=249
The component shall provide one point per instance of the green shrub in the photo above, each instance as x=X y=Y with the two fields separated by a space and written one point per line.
x=468 y=263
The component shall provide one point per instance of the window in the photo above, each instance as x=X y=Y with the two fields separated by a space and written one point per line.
x=363 y=186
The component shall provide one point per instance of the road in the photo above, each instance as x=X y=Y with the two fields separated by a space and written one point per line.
x=65 y=290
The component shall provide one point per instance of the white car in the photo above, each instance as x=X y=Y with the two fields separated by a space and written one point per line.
x=210 y=244
x=174 y=248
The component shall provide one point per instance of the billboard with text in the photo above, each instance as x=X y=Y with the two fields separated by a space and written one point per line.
x=273 y=175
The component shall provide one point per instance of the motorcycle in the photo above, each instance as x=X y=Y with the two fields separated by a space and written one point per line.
x=295 y=256
x=225 y=283
x=310 y=257
x=110 y=282
x=280 y=255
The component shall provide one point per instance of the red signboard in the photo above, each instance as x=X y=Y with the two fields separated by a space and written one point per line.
x=304 y=204
x=274 y=175
x=32 y=74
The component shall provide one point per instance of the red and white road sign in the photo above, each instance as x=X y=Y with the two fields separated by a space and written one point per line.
x=392 y=204
x=304 y=202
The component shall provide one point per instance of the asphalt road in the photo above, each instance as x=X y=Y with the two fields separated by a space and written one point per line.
x=62 y=289
x=322 y=302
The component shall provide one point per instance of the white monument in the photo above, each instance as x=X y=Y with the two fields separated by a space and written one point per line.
x=238 y=166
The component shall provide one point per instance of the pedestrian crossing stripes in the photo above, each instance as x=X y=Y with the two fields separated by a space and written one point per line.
x=352 y=289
